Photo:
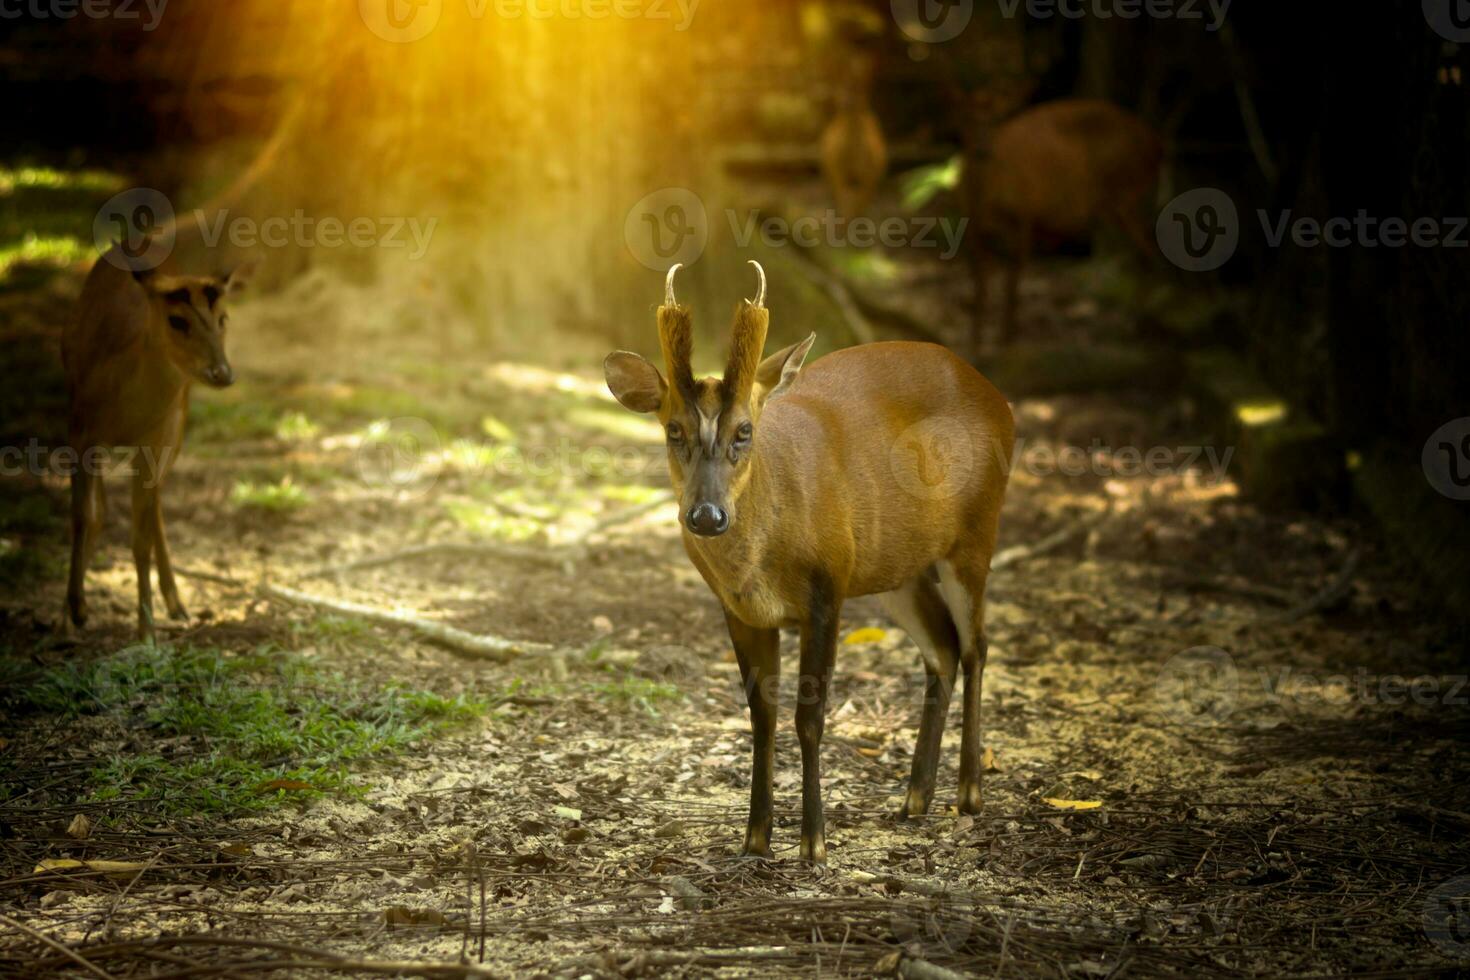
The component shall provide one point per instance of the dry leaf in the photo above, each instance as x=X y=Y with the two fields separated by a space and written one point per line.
x=80 y=827
x=674 y=828
x=869 y=634
x=569 y=813
x=400 y=915
x=121 y=870
x=1073 y=804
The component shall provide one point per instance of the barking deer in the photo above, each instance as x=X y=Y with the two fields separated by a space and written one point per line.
x=1059 y=170
x=877 y=470
x=140 y=340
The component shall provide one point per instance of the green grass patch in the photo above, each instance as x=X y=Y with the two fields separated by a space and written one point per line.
x=222 y=732
x=297 y=427
x=282 y=497
x=339 y=633
x=222 y=420
x=630 y=691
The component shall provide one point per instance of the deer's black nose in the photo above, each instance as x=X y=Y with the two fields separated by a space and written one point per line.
x=221 y=375
x=707 y=520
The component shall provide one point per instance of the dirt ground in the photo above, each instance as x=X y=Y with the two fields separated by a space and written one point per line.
x=1220 y=741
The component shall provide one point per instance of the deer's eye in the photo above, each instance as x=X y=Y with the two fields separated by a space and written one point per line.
x=179 y=324
x=744 y=433
x=675 y=432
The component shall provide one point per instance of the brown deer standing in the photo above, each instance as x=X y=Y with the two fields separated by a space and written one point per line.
x=877 y=470
x=854 y=155
x=138 y=342
x=1059 y=170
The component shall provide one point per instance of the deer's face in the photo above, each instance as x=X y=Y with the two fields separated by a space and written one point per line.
x=190 y=314
x=709 y=424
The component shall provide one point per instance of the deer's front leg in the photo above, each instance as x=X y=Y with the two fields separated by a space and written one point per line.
x=759 y=654
x=818 y=653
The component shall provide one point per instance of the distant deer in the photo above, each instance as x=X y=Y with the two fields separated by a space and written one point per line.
x=1059 y=170
x=854 y=155
x=138 y=343
x=878 y=470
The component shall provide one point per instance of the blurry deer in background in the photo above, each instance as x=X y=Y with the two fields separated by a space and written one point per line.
x=878 y=470
x=1059 y=170
x=138 y=343
x=854 y=156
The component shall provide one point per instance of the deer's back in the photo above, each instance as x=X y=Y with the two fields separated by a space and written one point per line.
x=1065 y=164
x=118 y=394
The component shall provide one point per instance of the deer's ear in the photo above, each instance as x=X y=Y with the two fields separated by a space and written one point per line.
x=779 y=372
x=634 y=382
x=239 y=277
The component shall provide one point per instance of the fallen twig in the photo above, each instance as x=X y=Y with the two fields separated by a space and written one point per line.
x=66 y=951
x=1020 y=553
x=841 y=297
x=1326 y=598
x=562 y=557
x=622 y=517
x=912 y=969
x=208 y=577
x=478 y=645
x=540 y=556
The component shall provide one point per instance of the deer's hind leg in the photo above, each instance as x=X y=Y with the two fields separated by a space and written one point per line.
x=145 y=507
x=963 y=577
x=88 y=513
x=919 y=610
x=166 y=583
